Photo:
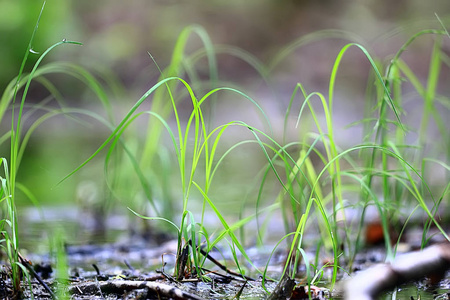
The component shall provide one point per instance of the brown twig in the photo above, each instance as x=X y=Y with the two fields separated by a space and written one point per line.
x=182 y=260
x=217 y=263
x=119 y=286
x=225 y=278
x=30 y=269
x=432 y=262
x=165 y=275
x=239 y=293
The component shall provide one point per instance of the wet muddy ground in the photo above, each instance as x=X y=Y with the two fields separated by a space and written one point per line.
x=120 y=271
x=127 y=266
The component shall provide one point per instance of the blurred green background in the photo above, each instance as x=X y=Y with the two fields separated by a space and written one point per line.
x=116 y=36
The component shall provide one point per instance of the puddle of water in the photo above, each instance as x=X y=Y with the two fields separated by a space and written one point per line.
x=37 y=226
x=419 y=291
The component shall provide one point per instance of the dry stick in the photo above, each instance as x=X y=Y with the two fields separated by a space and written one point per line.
x=239 y=293
x=213 y=260
x=432 y=262
x=119 y=286
x=165 y=275
x=127 y=263
x=283 y=289
x=224 y=277
x=99 y=275
x=183 y=258
x=27 y=265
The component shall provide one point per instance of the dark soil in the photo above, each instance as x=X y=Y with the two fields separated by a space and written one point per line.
x=124 y=271
x=140 y=268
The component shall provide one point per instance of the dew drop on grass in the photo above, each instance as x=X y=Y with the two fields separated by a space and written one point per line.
x=64 y=40
x=34 y=52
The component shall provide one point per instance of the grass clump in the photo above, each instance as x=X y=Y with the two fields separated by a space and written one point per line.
x=9 y=224
x=374 y=170
x=19 y=134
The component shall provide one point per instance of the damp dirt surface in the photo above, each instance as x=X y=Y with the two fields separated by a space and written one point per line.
x=141 y=267
x=127 y=271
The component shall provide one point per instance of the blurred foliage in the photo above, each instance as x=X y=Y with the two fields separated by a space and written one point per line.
x=17 y=20
x=117 y=35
